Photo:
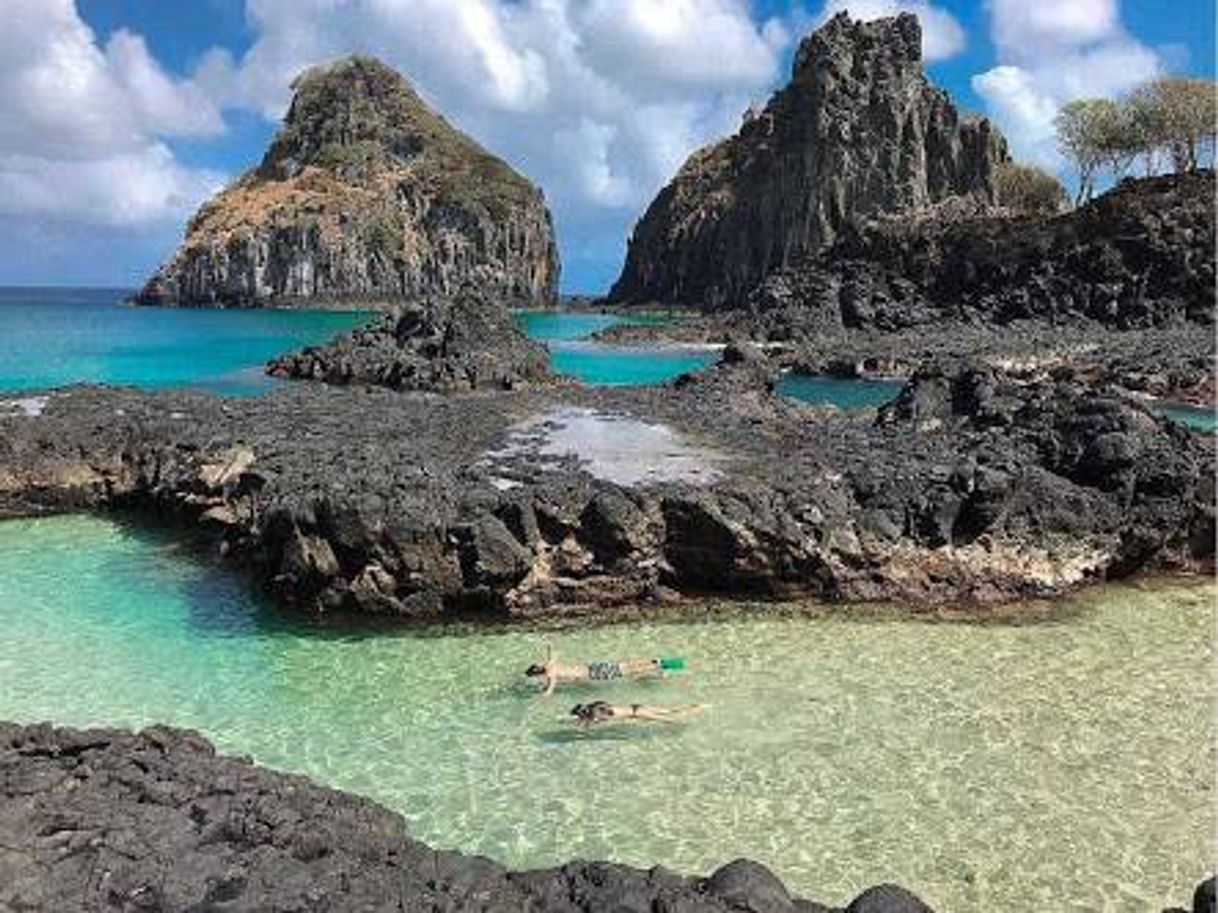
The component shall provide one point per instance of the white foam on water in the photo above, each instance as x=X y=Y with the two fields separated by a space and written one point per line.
x=615 y=448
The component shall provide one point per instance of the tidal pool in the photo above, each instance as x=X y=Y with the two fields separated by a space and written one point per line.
x=616 y=448
x=1193 y=416
x=1066 y=764
x=573 y=353
x=843 y=392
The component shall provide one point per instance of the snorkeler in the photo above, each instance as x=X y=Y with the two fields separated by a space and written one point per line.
x=604 y=712
x=555 y=672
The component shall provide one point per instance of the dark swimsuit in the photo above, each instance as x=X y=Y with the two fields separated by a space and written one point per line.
x=604 y=671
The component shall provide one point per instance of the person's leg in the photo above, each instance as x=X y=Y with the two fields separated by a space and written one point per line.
x=641 y=666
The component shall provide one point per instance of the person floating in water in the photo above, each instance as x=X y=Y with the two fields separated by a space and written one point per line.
x=556 y=672
x=604 y=712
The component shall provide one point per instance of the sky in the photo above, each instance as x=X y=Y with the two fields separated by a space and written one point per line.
x=119 y=117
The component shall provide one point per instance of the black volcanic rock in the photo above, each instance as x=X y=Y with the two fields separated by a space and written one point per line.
x=1137 y=257
x=857 y=132
x=365 y=197
x=441 y=346
x=100 y=819
x=974 y=486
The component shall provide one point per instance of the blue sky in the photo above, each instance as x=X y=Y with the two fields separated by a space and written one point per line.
x=117 y=117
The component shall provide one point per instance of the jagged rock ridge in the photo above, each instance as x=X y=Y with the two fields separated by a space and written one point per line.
x=858 y=131
x=365 y=196
x=975 y=487
x=1140 y=256
x=438 y=346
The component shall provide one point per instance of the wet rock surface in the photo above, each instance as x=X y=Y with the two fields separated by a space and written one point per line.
x=973 y=487
x=439 y=346
x=111 y=820
x=858 y=131
x=365 y=198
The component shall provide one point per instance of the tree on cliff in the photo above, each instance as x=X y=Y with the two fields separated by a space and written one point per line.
x=1176 y=115
x=1167 y=115
x=1086 y=130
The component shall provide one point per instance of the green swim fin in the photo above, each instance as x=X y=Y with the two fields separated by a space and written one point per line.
x=672 y=664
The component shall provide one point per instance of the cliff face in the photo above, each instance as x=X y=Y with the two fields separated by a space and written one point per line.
x=1140 y=256
x=365 y=196
x=858 y=131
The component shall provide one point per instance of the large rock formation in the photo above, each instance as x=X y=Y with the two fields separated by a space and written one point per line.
x=104 y=820
x=1138 y=257
x=437 y=346
x=365 y=196
x=1121 y=291
x=858 y=131
x=976 y=486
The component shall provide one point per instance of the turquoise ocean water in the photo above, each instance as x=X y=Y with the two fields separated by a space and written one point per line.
x=1066 y=764
x=1060 y=765
x=575 y=355
x=52 y=337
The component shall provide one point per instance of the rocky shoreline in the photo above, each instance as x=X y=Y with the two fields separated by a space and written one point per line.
x=974 y=487
x=435 y=345
x=1119 y=293
x=103 y=819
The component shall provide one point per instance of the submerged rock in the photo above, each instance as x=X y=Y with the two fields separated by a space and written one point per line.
x=365 y=197
x=857 y=132
x=103 y=819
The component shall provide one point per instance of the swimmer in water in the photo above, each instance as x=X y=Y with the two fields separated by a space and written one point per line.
x=556 y=672
x=603 y=712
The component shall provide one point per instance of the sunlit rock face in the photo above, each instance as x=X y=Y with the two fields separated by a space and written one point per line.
x=858 y=131
x=366 y=196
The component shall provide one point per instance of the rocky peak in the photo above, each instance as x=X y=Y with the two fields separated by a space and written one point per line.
x=857 y=132
x=366 y=196
x=352 y=112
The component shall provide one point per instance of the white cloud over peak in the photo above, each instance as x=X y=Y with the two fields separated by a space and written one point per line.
x=598 y=101
x=942 y=35
x=1052 y=53
x=82 y=124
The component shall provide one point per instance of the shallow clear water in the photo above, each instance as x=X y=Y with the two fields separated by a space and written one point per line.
x=52 y=337
x=575 y=355
x=845 y=393
x=1192 y=416
x=1054 y=766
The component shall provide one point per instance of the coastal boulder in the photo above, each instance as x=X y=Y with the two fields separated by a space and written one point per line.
x=105 y=819
x=858 y=131
x=366 y=196
x=442 y=346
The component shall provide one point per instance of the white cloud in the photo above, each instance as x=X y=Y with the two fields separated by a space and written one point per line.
x=598 y=101
x=1052 y=53
x=126 y=190
x=942 y=35
x=80 y=132
x=1028 y=29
